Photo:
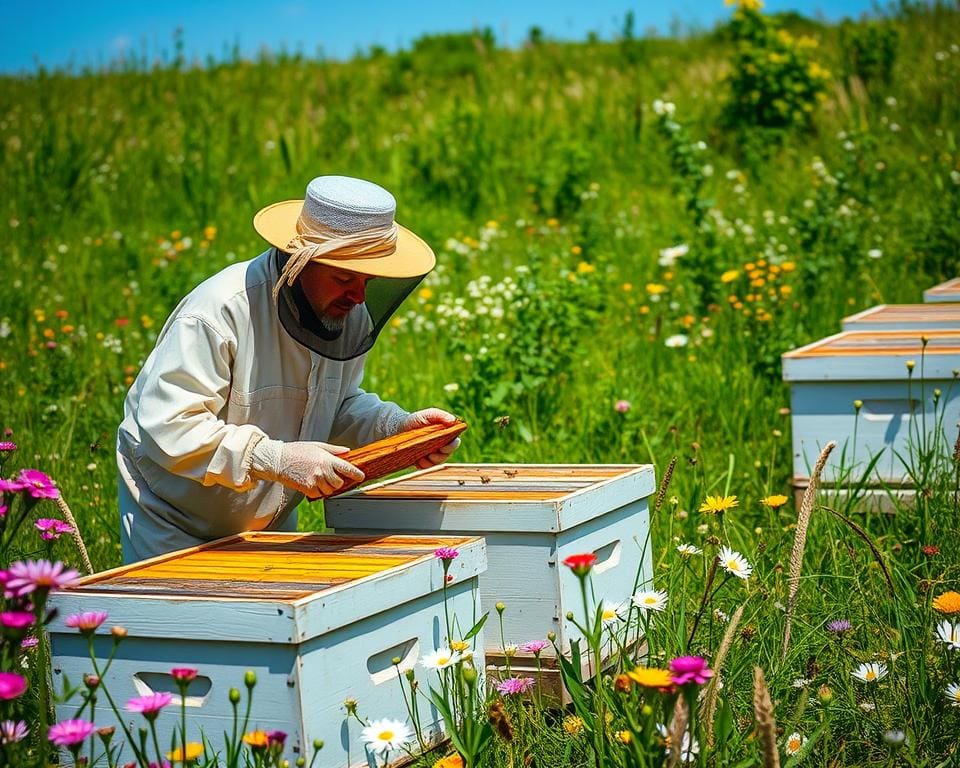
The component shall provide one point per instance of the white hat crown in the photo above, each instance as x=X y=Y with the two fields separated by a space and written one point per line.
x=347 y=205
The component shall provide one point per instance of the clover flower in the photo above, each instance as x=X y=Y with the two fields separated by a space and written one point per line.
x=839 y=626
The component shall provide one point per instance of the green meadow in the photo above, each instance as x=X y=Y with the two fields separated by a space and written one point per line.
x=629 y=234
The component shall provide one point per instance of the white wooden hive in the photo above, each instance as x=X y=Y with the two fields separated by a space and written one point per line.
x=318 y=617
x=533 y=516
x=948 y=291
x=899 y=411
x=941 y=316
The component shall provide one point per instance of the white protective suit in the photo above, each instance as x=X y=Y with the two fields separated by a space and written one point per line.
x=225 y=374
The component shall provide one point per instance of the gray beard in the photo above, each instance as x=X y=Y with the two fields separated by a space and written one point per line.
x=332 y=324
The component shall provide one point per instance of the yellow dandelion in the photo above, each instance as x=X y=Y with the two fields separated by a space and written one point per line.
x=788 y=266
x=585 y=268
x=459 y=645
x=651 y=677
x=572 y=725
x=716 y=505
x=730 y=275
x=775 y=501
x=576 y=250
x=624 y=737
x=450 y=761
x=193 y=751
x=209 y=233
x=492 y=224
x=553 y=222
x=948 y=602
x=425 y=294
x=256 y=739
x=655 y=289
x=627 y=287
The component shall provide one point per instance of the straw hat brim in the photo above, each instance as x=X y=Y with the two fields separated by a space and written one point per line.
x=277 y=224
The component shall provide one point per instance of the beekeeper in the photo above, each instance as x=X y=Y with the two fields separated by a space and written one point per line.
x=253 y=388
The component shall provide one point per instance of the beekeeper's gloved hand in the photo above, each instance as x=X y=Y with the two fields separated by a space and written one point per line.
x=424 y=418
x=312 y=468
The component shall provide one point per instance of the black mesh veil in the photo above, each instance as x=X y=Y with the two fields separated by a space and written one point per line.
x=384 y=295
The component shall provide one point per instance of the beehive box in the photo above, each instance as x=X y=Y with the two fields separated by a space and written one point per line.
x=532 y=516
x=898 y=410
x=319 y=618
x=948 y=291
x=905 y=317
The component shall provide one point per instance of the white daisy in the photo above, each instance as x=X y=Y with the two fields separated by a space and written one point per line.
x=385 y=735
x=953 y=694
x=949 y=634
x=870 y=673
x=650 y=600
x=677 y=340
x=611 y=613
x=794 y=743
x=734 y=563
x=721 y=616
x=440 y=659
x=686 y=550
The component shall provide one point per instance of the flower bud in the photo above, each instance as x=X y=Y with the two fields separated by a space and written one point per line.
x=301 y=762
x=500 y=608
x=551 y=636
x=569 y=616
x=317 y=745
x=410 y=674
x=857 y=405
x=621 y=684
x=118 y=633
x=350 y=705
x=646 y=710
x=910 y=365
x=250 y=679
x=825 y=694
x=91 y=681
x=396 y=661
x=234 y=696
x=106 y=734
x=469 y=676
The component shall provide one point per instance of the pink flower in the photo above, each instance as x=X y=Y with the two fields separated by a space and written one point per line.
x=25 y=576
x=446 y=553
x=30 y=641
x=690 y=669
x=150 y=705
x=622 y=406
x=10 y=486
x=16 y=620
x=87 y=622
x=51 y=345
x=514 y=685
x=70 y=733
x=6 y=445
x=37 y=484
x=535 y=646
x=3 y=510
x=13 y=731
x=12 y=685
x=183 y=674
x=52 y=528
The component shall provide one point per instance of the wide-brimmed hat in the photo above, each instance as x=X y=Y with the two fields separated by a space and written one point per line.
x=346 y=223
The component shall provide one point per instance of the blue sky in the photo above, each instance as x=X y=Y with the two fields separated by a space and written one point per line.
x=94 y=32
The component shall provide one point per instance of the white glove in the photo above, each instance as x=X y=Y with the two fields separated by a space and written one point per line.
x=308 y=467
x=425 y=418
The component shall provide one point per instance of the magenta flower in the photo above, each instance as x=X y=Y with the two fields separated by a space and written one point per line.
x=446 y=554
x=87 y=622
x=513 y=685
x=150 y=705
x=10 y=486
x=535 y=646
x=16 y=620
x=38 y=484
x=30 y=641
x=12 y=685
x=13 y=731
x=622 y=406
x=690 y=669
x=6 y=445
x=183 y=674
x=70 y=733
x=52 y=528
x=3 y=510
x=276 y=738
x=23 y=577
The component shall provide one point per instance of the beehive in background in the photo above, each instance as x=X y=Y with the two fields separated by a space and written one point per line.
x=898 y=411
x=905 y=317
x=319 y=618
x=948 y=291
x=532 y=516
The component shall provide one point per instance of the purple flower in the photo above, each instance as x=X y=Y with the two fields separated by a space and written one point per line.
x=276 y=738
x=13 y=731
x=839 y=626
x=12 y=685
x=38 y=484
x=690 y=669
x=30 y=641
x=10 y=486
x=446 y=554
x=150 y=705
x=52 y=528
x=622 y=406
x=70 y=733
x=6 y=445
x=16 y=620
x=514 y=685
x=535 y=646
x=26 y=576
x=87 y=622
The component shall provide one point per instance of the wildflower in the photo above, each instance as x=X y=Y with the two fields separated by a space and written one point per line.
x=953 y=694
x=623 y=737
x=677 y=340
x=730 y=275
x=686 y=550
x=446 y=553
x=655 y=289
x=183 y=674
x=870 y=673
x=276 y=738
x=10 y=486
x=895 y=737
x=6 y=445
x=734 y=563
x=610 y=613
x=12 y=685
x=716 y=505
x=459 y=645
x=930 y=550
x=794 y=743
x=31 y=641
x=514 y=685
x=669 y=256
x=839 y=626
x=534 y=646
x=690 y=669
x=574 y=725
x=51 y=528
x=38 y=484
x=721 y=616
x=39 y=575
x=650 y=600
x=16 y=620
x=384 y=735
x=13 y=731
x=256 y=739
x=70 y=733
x=689 y=748
x=801 y=682
x=949 y=634
x=440 y=659
x=581 y=564
x=192 y=751
x=651 y=677
x=86 y=622
x=622 y=406
x=874 y=253
x=775 y=502
x=150 y=705
x=948 y=603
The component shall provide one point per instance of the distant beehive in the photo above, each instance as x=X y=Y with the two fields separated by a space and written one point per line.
x=532 y=516
x=319 y=618
x=905 y=317
x=948 y=291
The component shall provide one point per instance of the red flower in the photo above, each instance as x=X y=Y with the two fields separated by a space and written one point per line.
x=581 y=564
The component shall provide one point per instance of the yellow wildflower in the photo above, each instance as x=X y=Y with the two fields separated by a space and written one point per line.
x=623 y=737
x=775 y=501
x=572 y=724
x=655 y=289
x=576 y=250
x=256 y=739
x=209 y=233
x=553 y=222
x=450 y=761
x=492 y=224
x=651 y=677
x=193 y=751
x=585 y=268
x=627 y=287
x=459 y=645
x=718 y=504
x=425 y=294
x=730 y=275
x=948 y=602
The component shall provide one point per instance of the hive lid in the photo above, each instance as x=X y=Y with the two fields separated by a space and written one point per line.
x=943 y=316
x=493 y=497
x=279 y=587
x=948 y=291
x=875 y=356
